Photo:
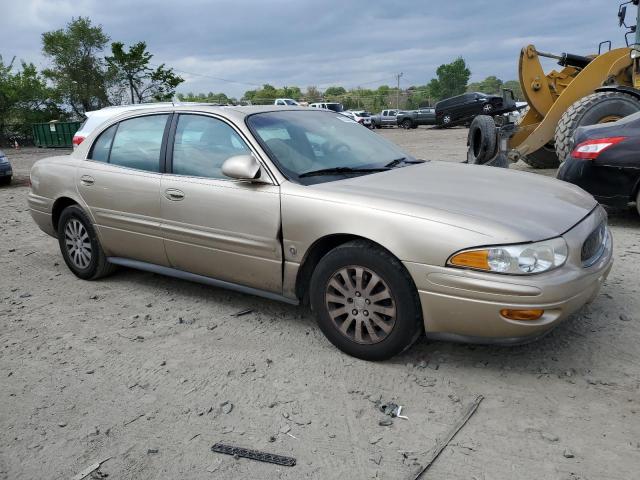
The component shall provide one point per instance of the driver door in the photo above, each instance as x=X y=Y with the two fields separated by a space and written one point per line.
x=213 y=225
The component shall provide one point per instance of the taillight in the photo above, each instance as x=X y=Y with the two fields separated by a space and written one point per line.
x=591 y=149
x=77 y=140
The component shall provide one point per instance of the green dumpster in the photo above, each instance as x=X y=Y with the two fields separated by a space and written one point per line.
x=54 y=134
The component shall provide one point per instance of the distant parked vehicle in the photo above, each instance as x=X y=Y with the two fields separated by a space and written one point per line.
x=464 y=108
x=6 y=171
x=412 y=118
x=286 y=102
x=336 y=107
x=360 y=116
x=386 y=118
x=605 y=161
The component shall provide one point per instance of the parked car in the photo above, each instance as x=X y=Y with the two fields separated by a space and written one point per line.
x=464 y=108
x=336 y=107
x=412 y=118
x=286 y=102
x=299 y=205
x=605 y=161
x=6 y=172
x=360 y=116
x=386 y=118
x=96 y=117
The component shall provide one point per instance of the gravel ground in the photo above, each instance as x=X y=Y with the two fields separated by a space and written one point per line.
x=148 y=372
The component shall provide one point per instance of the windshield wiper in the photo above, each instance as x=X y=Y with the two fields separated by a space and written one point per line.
x=398 y=161
x=341 y=170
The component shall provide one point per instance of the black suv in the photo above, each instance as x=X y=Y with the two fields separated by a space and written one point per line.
x=463 y=108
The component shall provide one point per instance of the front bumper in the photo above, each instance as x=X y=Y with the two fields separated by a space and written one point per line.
x=6 y=170
x=465 y=305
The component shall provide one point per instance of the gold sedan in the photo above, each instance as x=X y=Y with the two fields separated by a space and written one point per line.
x=304 y=205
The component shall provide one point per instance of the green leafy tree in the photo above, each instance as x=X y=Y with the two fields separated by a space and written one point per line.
x=491 y=85
x=335 y=91
x=206 y=98
x=312 y=94
x=452 y=79
x=24 y=99
x=79 y=76
x=132 y=69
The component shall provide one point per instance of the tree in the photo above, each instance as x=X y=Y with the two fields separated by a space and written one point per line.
x=79 y=76
x=312 y=94
x=452 y=79
x=335 y=91
x=24 y=98
x=133 y=69
x=491 y=85
x=206 y=98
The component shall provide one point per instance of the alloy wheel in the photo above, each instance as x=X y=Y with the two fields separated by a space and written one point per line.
x=78 y=243
x=360 y=304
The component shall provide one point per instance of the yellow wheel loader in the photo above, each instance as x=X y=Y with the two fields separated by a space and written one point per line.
x=587 y=90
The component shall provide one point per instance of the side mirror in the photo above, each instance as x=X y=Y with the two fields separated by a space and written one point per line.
x=242 y=167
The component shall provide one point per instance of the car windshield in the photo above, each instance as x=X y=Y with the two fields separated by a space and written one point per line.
x=290 y=102
x=301 y=142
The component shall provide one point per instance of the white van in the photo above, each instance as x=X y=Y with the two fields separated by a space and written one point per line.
x=336 y=107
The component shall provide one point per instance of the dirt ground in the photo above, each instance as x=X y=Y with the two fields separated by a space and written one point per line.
x=148 y=372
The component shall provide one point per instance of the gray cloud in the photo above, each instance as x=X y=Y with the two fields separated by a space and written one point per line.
x=352 y=43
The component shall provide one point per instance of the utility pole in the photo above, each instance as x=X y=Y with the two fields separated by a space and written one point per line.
x=398 y=91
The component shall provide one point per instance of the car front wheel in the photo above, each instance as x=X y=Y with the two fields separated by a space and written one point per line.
x=365 y=302
x=80 y=246
x=406 y=124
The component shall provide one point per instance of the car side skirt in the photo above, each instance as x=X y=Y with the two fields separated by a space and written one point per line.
x=192 y=277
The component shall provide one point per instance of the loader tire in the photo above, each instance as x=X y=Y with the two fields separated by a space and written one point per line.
x=544 y=157
x=481 y=140
x=599 y=107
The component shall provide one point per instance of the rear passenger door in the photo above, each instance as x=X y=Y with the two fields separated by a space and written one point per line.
x=120 y=183
x=214 y=225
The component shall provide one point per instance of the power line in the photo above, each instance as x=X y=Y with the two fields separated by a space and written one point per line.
x=212 y=77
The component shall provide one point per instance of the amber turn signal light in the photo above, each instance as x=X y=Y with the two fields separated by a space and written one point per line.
x=511 y=314
x=472 y=259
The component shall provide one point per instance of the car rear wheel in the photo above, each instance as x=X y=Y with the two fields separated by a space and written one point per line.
x=446 y=120
x=80 y=246
x=406 y=124
x=365 y=302
x=5 y=180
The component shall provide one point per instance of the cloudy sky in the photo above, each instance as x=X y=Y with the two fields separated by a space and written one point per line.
x=233 y=46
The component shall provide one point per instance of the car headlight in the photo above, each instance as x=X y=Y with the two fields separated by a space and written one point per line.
x=522 y=259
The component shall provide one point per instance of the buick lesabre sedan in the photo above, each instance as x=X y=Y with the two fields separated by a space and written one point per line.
x=304 y=205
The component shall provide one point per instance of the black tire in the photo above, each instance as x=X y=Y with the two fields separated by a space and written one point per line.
x=481 y=140
x=447 y=120
x=407 y=325
x=545 y=157
x=592 y=109
x=406 y=124
x=97 y=265
x=5 y=180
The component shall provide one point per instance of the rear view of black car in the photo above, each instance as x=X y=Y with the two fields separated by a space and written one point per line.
x=463 y=108
x=605 y=161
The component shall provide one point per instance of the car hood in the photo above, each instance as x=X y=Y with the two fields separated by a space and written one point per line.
x=506 y=205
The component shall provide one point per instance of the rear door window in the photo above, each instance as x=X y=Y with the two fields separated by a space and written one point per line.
x=102 y=146
x=138 y=142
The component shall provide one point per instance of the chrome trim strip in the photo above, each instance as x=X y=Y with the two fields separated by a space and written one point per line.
x=192 y=277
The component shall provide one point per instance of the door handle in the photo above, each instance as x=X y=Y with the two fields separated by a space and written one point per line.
x=174 y=194
x=87 y=180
